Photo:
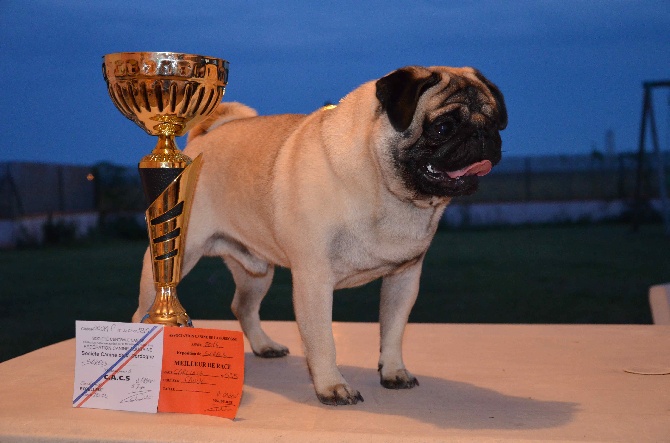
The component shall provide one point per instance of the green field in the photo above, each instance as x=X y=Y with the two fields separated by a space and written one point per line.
x=566 y=274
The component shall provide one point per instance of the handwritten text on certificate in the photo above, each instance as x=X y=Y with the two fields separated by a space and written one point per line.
x=203 y=371
x=117 y=366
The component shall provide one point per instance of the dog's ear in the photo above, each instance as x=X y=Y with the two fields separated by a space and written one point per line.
x=399 y=94
x=497 y=95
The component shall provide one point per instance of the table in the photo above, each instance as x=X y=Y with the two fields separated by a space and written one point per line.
x=488 y=383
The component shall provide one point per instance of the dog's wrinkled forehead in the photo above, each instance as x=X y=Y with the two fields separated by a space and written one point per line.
x=476 y=97
x=462 y=92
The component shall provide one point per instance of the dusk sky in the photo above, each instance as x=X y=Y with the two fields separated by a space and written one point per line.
x=569 y=69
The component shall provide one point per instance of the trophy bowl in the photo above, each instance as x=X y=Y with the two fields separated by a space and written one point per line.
x=166 y=93
x=162 y=91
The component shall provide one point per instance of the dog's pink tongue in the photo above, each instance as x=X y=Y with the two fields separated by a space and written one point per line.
x=480 y=168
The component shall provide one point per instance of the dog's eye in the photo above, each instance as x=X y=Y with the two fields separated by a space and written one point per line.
x=440 y=129
x=443 y=128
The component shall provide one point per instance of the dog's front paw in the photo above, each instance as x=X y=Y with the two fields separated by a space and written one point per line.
x=400 y=379
x=340 y=394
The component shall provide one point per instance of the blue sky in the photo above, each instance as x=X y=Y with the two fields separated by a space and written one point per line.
x=570 y=69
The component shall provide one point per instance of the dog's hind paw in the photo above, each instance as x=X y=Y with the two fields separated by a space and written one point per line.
x=340 y=394
x=272 y=352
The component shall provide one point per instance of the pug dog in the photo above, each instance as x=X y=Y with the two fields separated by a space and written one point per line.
x=342 y=196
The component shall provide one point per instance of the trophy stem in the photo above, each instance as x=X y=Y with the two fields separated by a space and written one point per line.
x=166 y=145
x=166 y=155
x=170 y=190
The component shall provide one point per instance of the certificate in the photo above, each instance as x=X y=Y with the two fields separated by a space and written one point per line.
x=117 y=366
x=150 y=368
x=203 y=371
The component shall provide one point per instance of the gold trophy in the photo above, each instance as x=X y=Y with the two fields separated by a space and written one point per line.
x=166 y=94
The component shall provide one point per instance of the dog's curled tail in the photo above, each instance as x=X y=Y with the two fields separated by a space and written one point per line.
x=223 y=113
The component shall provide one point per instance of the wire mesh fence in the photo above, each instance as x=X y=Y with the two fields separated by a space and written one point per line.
x=36 y=188
x=568 y=178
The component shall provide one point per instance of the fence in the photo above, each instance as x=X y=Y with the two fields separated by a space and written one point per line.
x=45 y=202
x=31 y=193
x=38 y=188
x=567 y=178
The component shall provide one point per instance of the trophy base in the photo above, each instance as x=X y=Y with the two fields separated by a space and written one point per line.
x=167 y=310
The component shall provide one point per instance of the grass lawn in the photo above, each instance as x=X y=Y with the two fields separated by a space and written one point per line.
x=567 y=274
